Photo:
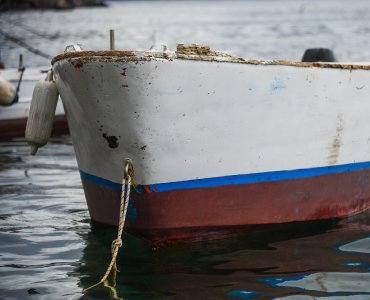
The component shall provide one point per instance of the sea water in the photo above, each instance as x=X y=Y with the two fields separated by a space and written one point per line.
x=48 y=249
x=266 y=29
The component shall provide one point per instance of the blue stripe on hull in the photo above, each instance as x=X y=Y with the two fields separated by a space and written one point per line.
x=235 y=179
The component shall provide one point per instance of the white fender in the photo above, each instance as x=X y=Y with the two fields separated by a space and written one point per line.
x=42 y=111
x=7 y=92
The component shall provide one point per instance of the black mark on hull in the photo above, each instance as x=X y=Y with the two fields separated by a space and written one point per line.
x=112 y=140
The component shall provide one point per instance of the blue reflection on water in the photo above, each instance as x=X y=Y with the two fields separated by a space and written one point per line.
x=276 y=281
x=356 y=264
x=245 y=295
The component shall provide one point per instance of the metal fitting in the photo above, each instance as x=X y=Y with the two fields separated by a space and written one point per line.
x=73 y=48
x=127 y=166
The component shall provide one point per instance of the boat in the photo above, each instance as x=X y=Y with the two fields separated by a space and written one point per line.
x=220 y=144
x=13 y=116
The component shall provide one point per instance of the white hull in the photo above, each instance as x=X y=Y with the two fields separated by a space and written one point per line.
x=218 y=143
x=181 y=119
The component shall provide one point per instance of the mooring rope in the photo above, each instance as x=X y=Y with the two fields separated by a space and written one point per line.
x=32 y=30
x=23 y=44
x=125 y=196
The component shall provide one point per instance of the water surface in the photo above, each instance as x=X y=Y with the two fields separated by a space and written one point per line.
x=267 y=29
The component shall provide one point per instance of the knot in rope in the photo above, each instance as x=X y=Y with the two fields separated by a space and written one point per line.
x=117 y=243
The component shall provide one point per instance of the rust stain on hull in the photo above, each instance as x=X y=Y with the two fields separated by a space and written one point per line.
x=77 y=63
x=196 y=53
x=337 y=142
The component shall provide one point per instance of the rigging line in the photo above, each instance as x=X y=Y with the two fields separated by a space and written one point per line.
x=31 y=30
x=25 y=45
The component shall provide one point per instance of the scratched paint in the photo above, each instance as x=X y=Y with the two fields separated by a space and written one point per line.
x=175 y=133
x=337 y=141
x=186 y=208
x=123 y=72
x=277 y=85
x=111 y=140
x=76 y=62
x=311 y=125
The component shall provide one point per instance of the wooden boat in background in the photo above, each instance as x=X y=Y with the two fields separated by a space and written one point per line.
x=219 y=143
x=13 y=118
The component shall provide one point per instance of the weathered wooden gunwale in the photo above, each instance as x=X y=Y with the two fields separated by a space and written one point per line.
x=214 y=56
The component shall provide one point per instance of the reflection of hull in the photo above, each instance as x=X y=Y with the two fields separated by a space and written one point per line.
x=331 y=282
x=217 y=142
x=13 y=119
x=262 y=264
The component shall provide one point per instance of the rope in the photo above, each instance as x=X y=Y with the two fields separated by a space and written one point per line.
x=25 y=27
x=24 y=45
x=16 y=96
x=117 y=243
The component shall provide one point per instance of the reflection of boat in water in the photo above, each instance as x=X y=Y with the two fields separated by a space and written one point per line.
x=13 y=118
x=265 y=265
x=329 y=282
x=361 y=246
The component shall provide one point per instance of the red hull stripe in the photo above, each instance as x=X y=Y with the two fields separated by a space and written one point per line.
x=233 y=179
x=303 y=199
